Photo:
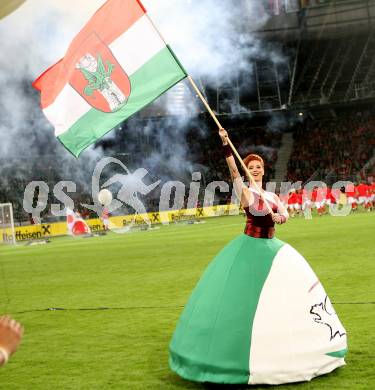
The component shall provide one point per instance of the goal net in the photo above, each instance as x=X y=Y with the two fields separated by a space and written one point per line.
x=7 y=233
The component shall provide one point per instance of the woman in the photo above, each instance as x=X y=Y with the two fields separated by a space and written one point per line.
x=258 y=314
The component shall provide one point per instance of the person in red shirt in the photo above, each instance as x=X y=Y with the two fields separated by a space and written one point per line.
x=369 y=198
x=352 y=196
x=298 y=204
x=330 y=197
x=320 y=200
x=314 y=195
x=292 y=200
x=334 y=195
x=362 y=190
x=372 y=194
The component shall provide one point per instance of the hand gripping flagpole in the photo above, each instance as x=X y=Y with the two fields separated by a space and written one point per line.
x=249 y=175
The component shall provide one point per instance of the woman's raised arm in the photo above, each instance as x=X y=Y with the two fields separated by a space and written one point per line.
x=242 y=191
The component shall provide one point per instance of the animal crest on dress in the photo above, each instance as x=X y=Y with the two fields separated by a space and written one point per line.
x=324 y=314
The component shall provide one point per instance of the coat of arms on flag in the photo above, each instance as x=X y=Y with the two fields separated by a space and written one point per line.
x=99 y=78
x=116 y=65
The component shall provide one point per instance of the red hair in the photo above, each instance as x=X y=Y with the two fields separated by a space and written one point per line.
x=252 y=157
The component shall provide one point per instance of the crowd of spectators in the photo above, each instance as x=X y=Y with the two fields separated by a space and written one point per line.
x=333 y=149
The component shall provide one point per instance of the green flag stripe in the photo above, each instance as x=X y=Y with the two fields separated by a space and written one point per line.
x=147 y=84
x=338 y=354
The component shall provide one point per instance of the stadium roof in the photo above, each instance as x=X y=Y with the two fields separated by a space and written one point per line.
x=330 y=18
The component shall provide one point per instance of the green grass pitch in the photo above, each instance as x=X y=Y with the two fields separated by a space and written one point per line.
x=144 y=279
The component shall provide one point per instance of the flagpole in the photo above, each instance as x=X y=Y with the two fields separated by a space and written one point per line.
x=249 y=175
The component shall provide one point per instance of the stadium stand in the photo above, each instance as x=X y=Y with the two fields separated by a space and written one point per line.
x=333 y=149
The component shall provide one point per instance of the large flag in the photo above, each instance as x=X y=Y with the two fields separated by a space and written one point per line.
x=115 y=66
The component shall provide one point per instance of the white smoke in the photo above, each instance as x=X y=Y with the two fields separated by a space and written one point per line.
x=38 y=34
x=213 y=39
x=33 y=38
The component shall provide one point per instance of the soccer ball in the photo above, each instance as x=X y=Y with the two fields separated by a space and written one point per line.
x=105 y=197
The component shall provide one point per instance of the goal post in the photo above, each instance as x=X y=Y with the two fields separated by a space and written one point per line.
x=7 y=232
